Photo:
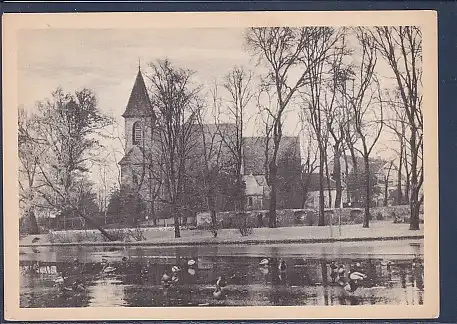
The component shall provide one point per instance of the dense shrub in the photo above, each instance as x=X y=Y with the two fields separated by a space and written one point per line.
x=137 y=234
x=244 y=223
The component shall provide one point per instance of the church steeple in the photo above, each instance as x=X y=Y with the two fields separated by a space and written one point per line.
x=139 y=104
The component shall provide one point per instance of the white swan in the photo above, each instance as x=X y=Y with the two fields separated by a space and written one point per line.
x=264 y=262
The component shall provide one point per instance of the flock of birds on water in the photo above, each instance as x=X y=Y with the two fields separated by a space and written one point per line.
x=348 y=279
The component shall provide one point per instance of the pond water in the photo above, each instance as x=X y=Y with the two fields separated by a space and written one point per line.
x=133 y=276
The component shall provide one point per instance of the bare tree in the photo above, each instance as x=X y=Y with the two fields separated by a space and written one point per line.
x=310 y=159
x=397 y=123
x=386 y=178
x=364 y=102
x=319 y=101
x=339 y=116
x=212 y=141
x=238 y=84
x=265 y=105
x=175 y=98
x=401 y=47
x=281 y=49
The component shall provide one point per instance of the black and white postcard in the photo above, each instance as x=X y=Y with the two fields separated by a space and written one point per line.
x=261 y=165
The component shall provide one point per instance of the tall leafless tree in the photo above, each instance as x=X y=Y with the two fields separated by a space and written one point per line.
x=280 y=49
x=238 y=84
x=401 y=47
x=213 y=141
x=318 y=100
x=386 y=178
x=175 y=97
x=365 y=102
x=310 y=158
x=397 y=123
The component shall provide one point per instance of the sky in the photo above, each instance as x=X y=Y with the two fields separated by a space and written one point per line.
x=106 y=61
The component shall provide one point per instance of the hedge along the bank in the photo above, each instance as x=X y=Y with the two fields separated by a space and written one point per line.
x=310 y=217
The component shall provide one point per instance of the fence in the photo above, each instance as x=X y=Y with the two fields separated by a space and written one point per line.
x=306 y=217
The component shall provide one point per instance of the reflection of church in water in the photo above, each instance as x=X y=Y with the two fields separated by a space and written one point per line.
x=140 y=119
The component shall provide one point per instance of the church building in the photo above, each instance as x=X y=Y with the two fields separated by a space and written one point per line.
x=138 y=171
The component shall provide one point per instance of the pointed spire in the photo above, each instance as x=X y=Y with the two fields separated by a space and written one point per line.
x=139 y=104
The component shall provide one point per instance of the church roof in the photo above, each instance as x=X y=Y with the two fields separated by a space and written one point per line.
x=139 y=104
x=134 y=156
x=254 y=153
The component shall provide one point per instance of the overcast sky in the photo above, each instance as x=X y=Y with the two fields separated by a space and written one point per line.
x=107 y=60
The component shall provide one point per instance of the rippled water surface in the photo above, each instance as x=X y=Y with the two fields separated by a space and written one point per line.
x=134 y=276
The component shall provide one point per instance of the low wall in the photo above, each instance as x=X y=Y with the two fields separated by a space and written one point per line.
x=307 y=217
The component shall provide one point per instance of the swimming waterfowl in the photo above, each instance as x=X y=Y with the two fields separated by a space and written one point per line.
x=282 y=266
x=333 y=271
x=165 y=277
x=35 y=239
x=78 y=286
x=108 y=269
x=221 y=282
x=351 y=283
x=357 y=276
x=166 y=280
x=174 y=279
x=217 y=293
x=356 y=272
x=59 y=280
x=175 y=269
x=191 y=262
x=264 y=262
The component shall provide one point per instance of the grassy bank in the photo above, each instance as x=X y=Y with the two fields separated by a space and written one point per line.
x=379 y=230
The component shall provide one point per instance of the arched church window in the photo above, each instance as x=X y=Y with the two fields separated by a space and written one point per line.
x=137 y=133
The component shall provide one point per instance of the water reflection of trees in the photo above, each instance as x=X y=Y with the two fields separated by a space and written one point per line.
x=304 y=282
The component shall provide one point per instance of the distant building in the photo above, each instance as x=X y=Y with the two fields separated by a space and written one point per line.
x=382 y=170
x=141 y=139
x=313 y=194
x=289 y=172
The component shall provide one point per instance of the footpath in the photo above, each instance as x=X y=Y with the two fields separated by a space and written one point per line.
x=378 y=231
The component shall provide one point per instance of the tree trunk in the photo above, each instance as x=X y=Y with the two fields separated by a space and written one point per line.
x=366 y=219
x=211 y=201
x=337 y=176
x=399 y=187
x=153 y=212
x=324 y=272
x=414 y=203
x=408 y=178
x=89 y=220
x=272 y=209
x=386 y=192
x=348 y=195
x=213 y=222
x=176 y=220
x=32 y=223
x=407 y=189
x=414 y=220
x=240 y=193
x=304 y=196
x=329 y=189
x=321 y=189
